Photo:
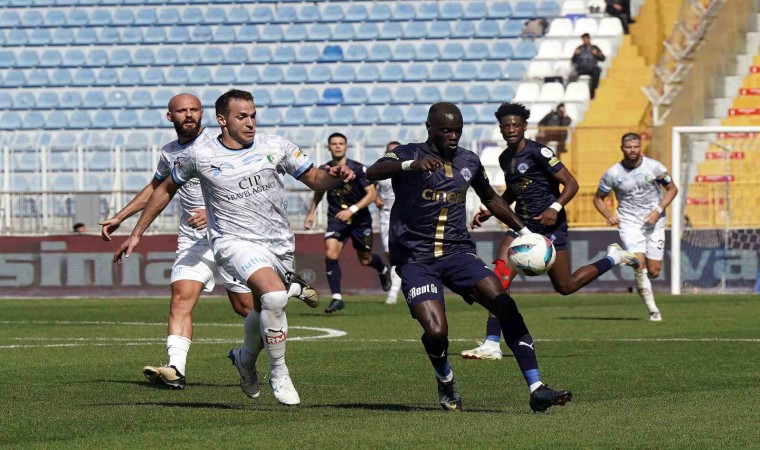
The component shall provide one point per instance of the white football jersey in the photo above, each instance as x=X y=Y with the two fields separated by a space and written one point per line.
x=190 y=195
x=244 y=189
x=385 y=192
x=637 y=190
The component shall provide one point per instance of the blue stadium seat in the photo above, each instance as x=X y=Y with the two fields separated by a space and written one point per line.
x=284 y=55
x=237 y=15
x=502 y=92
x=271 y=33
x=502 y=10
x=100 y=17
x=14 y=78
x=64 y=182
x=306 y=97
x=6 y=102
x=452 y=51
x=295 y=33
x=343 y=32
x=465 y=72
x=96 y=58
x=47 y=100
x=146 y=16
x=166 y=56
x=367 y=32
x=80 y=120
x=343 y=115
x=515 y=70
x=477 y=94
x=141 y=99
x=261 y=55
x=168 y=16
x=332 y=13
x=391 y=115
x=154 y=35
x=131 y=36
x=10 y=19
x=55 y=18
x=475 y=10
x=427 y=11
x=107 y=77
x=201 y=34
x=356 y=95
x=308 y=14
x=441 y=72
x=320 y=74
x=429 y=95
x=296 y=74
x=405 y=94
x=261 y=15
x=104 y=119
x=39 y=36
x=224 y=75
x=27 y=58
x=356 y=53
x=379 y=52
x=236 y=55
x=283 y=97
x=25 y=161
x=144 y=57
x=415 y=115
x=380 y=95
x=487 y=29
x=177 y=76
x=390 y=31
x=344 y=74
x=98 y=160
x=271 y=75
x=469 y=113
x=262 y=98
x=123 y=17
x=501 y=51
x=525 y=10
x=227 y=35
x=127 y=118
x=403 y=52
x=549 y=8
x=70 y=99
x=77 y=17
x=428 y=51
x=415 y=30
x=294 y=117
x=490 y=72
x=208 y=99
x=247 y=75
x=271 y=117
x=403 y=12
x=178 y=34
x=485 y=115
x=94 y=99
x=189 y=56
x=34 y=120
x=17 y=37
x=37 y=77
x=392 y=73
x=439 y=29
x=368 y=73
x=356 y=13
x=212 y=55
x=525 y=50
x=367 y=115
x=331 y=96
x=454 y=94
x=511 y=28
x=10 y=121
x=200 y=75
x=416 y=72
x=451 y=10
x=284 y=14
x=331 y=53
x=119 y=57
x=151 y=119
x=476 y=51
x=191 y=16
x=153 y=76
x=379 y=12
x=463 y=30
x=318 y=32
x=63 y=36
x=24 y=100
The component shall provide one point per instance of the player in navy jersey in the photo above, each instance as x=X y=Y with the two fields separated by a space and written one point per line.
x=431 y=248
x=533 y=175
x=347 y=217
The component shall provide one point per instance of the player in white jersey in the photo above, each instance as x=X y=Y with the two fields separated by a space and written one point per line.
x=637 y=182
x=242 y=178
x=194 y=269
x=384 y=202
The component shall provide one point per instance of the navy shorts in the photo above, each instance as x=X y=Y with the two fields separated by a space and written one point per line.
x=556 y=233
x=360 y=234
x=422 y=281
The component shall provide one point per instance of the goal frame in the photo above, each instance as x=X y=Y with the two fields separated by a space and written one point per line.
x=676 y=225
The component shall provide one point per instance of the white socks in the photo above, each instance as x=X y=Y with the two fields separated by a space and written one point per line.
x=177 y=347
x=535 y=386
x=294 y=290
x=274 y=329
x=644 y=287
x=395 y=286
x=252 y=342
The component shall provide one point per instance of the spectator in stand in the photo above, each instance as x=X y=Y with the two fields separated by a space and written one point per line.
x=622 y=10
x=555 y=119
x=80 y=228
x=586 y=61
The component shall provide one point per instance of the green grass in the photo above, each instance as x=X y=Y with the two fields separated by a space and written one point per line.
x=688 y=382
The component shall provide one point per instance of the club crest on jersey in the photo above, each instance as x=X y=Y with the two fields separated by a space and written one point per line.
x=270 y=158
x=523 y=167
x=466 y=174
x=547 y=152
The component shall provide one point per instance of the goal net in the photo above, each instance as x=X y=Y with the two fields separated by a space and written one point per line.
x=715 y=224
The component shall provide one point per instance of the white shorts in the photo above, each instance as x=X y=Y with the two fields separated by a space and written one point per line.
x=385 y=226
x=195 y=262
x=242 y=258
x=647 y=240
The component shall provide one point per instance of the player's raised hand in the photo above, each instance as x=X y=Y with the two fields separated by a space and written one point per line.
x=308 y=223
x=108 y=227
x=613 y=221
x=548 y=217
x=426 y=164
x=480 y=217
x=198 y=219
x=341 y=171
x=125 y=249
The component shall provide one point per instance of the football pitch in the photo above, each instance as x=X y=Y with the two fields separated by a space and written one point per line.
x=70 y=376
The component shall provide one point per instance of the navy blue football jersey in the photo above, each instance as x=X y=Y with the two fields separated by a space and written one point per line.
x=528 y=175
x=343 y=195
x=429 y=219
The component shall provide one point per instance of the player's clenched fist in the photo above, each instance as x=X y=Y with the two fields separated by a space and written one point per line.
x=341 y=171
x=426 y=164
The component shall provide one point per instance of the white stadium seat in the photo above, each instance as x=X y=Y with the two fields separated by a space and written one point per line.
x=577 y=91
x=609 y=27
x=573 y=7
x=527 y=93
x=585 y=25
x=563 y=68
x=550 y=49
x=572 y=112
x=569 y=47
x=560 y=27
x=489 y=157
x=552 y=93
x=538 y=70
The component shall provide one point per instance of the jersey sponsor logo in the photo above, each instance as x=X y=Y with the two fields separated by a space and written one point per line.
x=554 y=161
x=466 y=174
x=522 y=168
x=443 y=196
x=547 y=152
x=390 y=155
x=426 y=289
x=252 y=185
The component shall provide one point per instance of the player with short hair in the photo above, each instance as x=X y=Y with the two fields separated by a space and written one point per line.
x=384 y=202
x=636 y=181
x=431 y=248
x=241 y=175
x=347 y=217
x=533 y=175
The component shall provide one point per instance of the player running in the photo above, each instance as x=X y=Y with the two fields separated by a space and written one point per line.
x=533 y=175
x=431 y=248
x=384 y=202
x=241 y=176
x=636 y=181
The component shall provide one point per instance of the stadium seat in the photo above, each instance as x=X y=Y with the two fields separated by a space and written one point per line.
x=212 y=55
x=332 y=13
x=416 y=115
x=153 y=76
x=209 y=96
x=154 y=35
x=100 y=17
x=24 y=100
x=70 y=99
x=96 y=58
x=476 y=51
x=454 y=94
x=123 y=17
x=80 y=120
x=168 y=16
x=451 y=11
x=261 y=55
x=356 y=95
x=343 y=115
x=577 y=91
x=127 y=118
x=227 y=35
x=237 y=15
x=356 y=13
x=262 y=98
x=356 y=53
x=306 y=97
x=585 y=25
x=284 y=55
x=525 y=50
x=524 y=10
x=296 y=32
x=502 y=92
x=331 y=53
x=271 y=75
x=475 y=10
x=178 y=34
x=405 y=94
x=466 y=72
x=487 y=29
x=392 y=73
x=452 y=51
x=117 y=99
x=463 y=30
x=512 y=28
x=308 y=14
x=10 y=19
x=563 y=68
x=141 y=99
x=331 y=96
x=416 y=72
x=294 y=117
x=284 y=14
x=391 y=115
x=7 y=59
x=177 y=75
x=390 y=31
x=119 y=57
x=146 y=16
x=550 y=49
x=6 y=102
x=501 y=51
x=441 y=72
x=609 y=27
x=247 y=34
x=261 y=15
x=343 y=32
x=318 y=116
x=283 y=97
x=161 y=98
x=320 y=74
x=379 y=12
x=247 y=75
x=82 y=77
x=343 y=74
x=403 y=12
x=538 y=70
x=368 y=73
x=439 y=30
x=552 y=93
x=560 y=27
x=414 y=30
x=212 y=16
x=477 y=94
x=367 y=32
x=427 y=11
x=39 y=36
x=150 y=119
x=131 y=36
x=527 y=93
x=429 y=95
x=236 y=55
x=428 y=51
x=10 y=121
x=17 y=37
x=549 y=8
x=200 y=76
x=167 y=55
x=573 y=8
x=94 y=99
x=27 y=58
x=14 y=78
x=379 y=95
x=379 y=53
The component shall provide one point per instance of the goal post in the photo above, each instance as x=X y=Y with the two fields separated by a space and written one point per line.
x=720 y=164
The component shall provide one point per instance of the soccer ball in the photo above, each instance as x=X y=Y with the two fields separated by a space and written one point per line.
x=532 y=254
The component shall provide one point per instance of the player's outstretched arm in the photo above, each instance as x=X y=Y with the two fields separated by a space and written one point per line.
x=386 y=168
x=161 y=197
x=500 y=208
x=602 y=208
x=109 y=226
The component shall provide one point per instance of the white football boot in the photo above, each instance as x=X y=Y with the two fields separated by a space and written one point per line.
x=484 y=350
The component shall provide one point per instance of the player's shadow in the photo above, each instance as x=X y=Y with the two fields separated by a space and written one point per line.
x=192 y=405
x=396 y=407
x=601 y=318
x=147 y=384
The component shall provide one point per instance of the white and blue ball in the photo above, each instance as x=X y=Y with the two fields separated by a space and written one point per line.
x=532 y=254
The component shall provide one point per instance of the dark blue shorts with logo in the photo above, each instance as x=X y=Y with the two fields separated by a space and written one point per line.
x=422 y=281
x=360 y=233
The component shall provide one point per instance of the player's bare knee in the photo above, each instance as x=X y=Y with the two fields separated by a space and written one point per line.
x=437 y=333
x=653 y=272
x=274 y=301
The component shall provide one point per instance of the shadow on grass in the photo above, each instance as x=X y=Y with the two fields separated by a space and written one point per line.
x=396 y=407
x=192 y=405
x=159 y=386
x=602 y=318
